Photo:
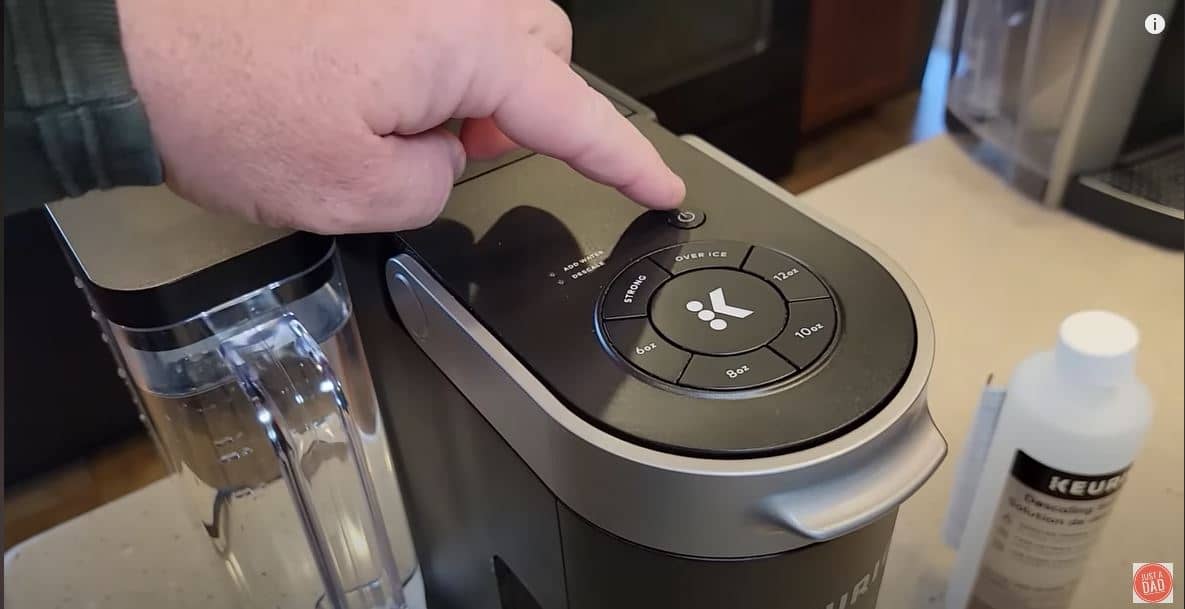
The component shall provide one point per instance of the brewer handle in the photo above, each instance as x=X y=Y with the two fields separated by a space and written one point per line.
x=866 y=490
x=286 y=375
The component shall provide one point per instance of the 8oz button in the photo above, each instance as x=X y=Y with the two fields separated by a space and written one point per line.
x=735 y=372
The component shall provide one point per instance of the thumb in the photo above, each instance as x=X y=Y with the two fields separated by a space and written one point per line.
x=483 y=139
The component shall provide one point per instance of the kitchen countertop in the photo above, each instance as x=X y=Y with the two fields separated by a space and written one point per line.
x=998 y=272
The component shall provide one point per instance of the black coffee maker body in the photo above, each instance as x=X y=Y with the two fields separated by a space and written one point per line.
x=594 y=406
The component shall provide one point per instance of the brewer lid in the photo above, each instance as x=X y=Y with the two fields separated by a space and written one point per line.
x=152 y=259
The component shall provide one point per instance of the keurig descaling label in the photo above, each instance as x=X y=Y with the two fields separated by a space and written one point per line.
x=1041 y=535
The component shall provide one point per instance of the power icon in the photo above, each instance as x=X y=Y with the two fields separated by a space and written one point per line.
x=1154 y=23
x=685 y=218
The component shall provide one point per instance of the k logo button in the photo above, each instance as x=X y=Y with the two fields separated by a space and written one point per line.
x=718 y=311
x=719 y=307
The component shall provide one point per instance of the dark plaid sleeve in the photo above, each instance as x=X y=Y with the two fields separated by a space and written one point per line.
x=72 y=121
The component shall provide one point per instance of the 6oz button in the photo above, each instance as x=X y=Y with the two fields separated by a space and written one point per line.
x=808 y=332
x=637 y=342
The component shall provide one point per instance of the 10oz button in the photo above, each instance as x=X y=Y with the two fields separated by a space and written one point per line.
x=808 y=332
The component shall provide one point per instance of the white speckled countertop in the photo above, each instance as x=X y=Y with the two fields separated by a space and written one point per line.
x=998 y=272
x=140 y=551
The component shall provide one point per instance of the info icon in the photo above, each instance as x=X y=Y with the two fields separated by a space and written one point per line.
x=1152 y=583
x=1154 y=23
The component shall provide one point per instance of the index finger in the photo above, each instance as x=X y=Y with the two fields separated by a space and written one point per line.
x=554 y=112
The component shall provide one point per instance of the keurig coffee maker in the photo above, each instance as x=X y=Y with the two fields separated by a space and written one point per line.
x=589 y=405
x=594 y=406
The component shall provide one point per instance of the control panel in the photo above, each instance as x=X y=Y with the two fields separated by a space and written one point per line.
x=718 y=316
x=733 y=325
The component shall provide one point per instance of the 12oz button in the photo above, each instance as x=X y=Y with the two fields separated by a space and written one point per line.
x=791 y=279
x=630 y=293
x=701 y=255
x=637 y=342
x=808 y=332
x=735 y=372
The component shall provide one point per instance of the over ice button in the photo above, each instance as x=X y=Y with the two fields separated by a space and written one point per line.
x=702 y=255
x=630 y=293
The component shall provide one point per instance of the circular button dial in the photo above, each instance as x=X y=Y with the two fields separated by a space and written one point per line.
x=718 y=311
x=719 y=316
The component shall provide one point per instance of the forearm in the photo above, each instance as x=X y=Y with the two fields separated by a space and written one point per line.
x=72 y=120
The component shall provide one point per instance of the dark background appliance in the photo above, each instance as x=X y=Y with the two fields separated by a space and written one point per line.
x=1143 y=192
x=49 y=332
x=731 y=72
x=754 y=76
x=1077 y=105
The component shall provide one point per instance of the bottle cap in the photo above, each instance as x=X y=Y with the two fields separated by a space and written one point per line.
x=1097 y=348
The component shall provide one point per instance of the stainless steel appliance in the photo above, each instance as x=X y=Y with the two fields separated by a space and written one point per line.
x=595 y=406
x=1078 y=104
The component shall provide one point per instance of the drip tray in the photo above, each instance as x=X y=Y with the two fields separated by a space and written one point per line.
x=1143 y=195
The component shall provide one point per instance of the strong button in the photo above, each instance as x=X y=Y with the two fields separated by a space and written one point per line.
x=630 y=293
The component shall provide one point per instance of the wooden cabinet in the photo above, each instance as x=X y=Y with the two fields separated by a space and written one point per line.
x=862 y=52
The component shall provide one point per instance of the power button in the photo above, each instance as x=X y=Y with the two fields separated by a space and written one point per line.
x=686 y=218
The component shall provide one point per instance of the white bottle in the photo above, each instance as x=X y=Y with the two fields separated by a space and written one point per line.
x=1071 y=424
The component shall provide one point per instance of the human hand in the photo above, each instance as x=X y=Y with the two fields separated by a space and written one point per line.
x=325 y=115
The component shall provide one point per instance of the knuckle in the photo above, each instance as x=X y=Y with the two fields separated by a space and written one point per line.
x=427 y=204
x=434 y=198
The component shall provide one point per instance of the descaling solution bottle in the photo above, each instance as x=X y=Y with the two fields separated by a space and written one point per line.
x=1071 y=423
